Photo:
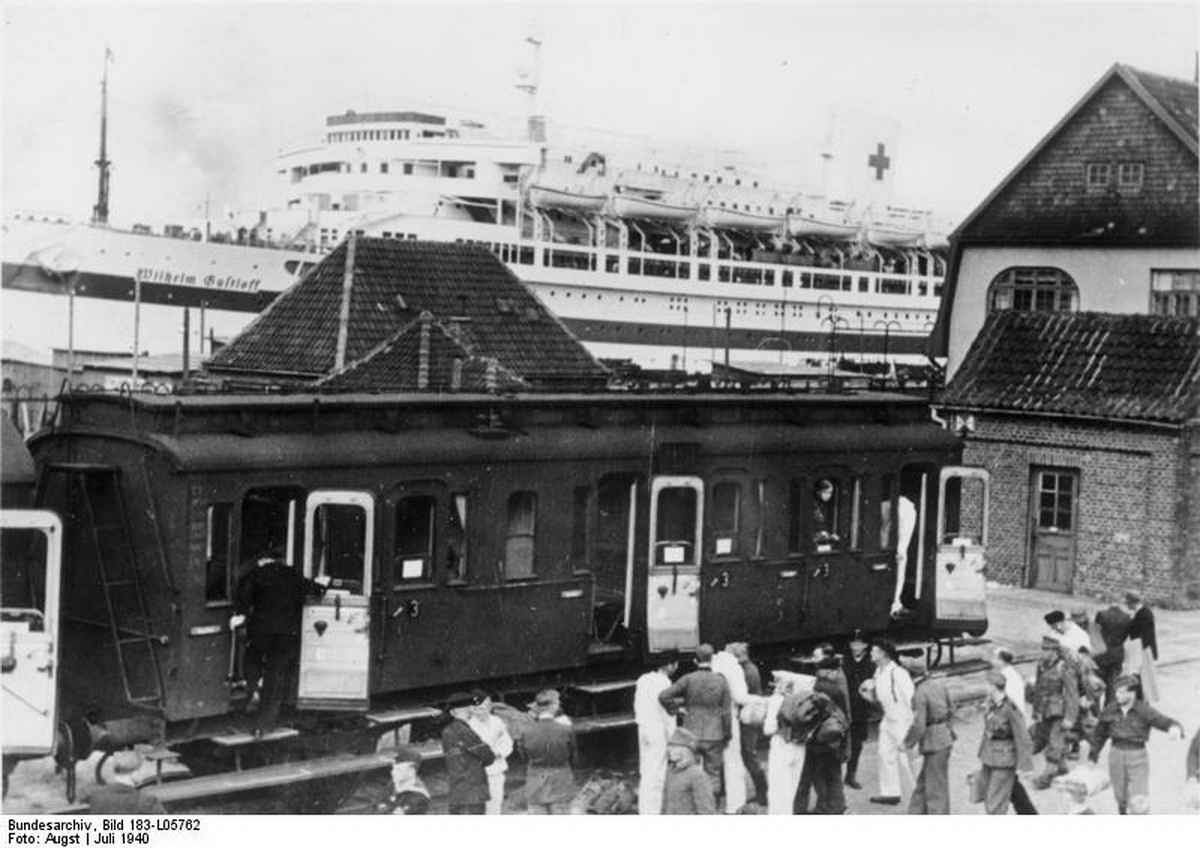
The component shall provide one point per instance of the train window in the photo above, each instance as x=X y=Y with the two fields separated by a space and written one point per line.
x=825 y=515
x=216 y=554
x=339 y=545
x=23 y=554
x=522 y=529
x=855 y=514
x=456 y=538
x=272 y=523
x=964 y=509
x=413 y=550
x=675 y=529
x=726 y=509
x=887 y=533
x=579 y=526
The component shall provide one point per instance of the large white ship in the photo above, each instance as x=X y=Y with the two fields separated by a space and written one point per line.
x=663 y=263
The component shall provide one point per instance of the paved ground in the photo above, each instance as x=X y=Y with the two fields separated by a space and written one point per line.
x=1015 y=621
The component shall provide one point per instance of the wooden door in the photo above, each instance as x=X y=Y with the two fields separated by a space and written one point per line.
x=1053 y=525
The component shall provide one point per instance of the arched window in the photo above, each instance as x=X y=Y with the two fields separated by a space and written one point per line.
x=1033 y=290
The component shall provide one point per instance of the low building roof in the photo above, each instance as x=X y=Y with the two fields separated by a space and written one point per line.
x=1083 y=364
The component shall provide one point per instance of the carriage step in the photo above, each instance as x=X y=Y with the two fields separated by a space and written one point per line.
x=595 y=724
x=388 y=718
x=604 y=686
x=237 y=740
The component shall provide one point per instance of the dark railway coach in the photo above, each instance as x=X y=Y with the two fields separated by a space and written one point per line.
x=478 y=538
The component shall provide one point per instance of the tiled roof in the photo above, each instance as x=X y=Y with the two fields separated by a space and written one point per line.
x=394 y=282
x=1177 y=97
x=397 y=364
x=1090 y=364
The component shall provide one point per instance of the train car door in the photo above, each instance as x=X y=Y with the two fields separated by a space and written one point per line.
x=31 y=551
x=335 y=644
x=673 y=587
x=962 y=542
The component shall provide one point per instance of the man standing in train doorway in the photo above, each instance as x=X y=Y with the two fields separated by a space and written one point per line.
x=272 y=598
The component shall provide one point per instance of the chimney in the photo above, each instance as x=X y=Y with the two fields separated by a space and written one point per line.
x=423 y=353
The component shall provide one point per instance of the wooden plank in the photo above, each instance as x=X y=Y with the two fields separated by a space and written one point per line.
x=234 y=740
x=283 y=774
x=591 y=724
x=607 y=686
x=402 y=716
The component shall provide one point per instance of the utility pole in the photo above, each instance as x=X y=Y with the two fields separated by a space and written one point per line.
x=100 y=210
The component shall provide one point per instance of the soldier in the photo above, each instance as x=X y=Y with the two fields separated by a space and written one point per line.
x=549 y=747
x=1005 y=747
x=703 y=698
x=930 y=732
x=1056 y=708
x=751 y=733
x=858 y=669
x=1127 y=722
x=826 y=747
x=1113 y=624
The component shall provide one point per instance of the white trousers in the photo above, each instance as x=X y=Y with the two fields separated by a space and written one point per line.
x=784 y=764
x=496 y=790
x=893 y=761
x=652 y=774
x=735 y=771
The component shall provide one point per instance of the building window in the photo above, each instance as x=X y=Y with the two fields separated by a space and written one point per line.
x=383 y=167
x=1098 y=175
x=1175 y=292
x=1129 y=177
x=413 y=548
x=408 y=169
x=522 y=526
x=216 y=554
x=1056 y=496
x=1033 y=290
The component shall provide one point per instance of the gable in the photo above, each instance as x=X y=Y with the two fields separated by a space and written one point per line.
x=1048 y=200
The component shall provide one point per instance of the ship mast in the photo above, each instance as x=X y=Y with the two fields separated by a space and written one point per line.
x=528 y=82
x=100 y=210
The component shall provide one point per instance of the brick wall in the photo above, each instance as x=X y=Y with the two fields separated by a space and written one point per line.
x=1136 y=516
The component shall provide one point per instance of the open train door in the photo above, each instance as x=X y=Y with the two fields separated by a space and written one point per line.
x=335 y=638
x=673 y=587
x=31 y=541
x=960 y=589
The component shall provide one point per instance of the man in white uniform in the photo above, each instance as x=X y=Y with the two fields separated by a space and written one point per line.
x=655 y=726
x=892 y=688
x=726 y=664
x=492 y=730
x=1068 y=633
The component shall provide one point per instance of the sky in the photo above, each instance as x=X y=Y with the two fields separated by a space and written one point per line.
x=202 y=96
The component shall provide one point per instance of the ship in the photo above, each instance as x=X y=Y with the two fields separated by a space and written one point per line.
x=648 y=260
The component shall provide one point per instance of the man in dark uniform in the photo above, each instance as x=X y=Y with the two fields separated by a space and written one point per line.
x=466 y=757
x=858 y=668
x=272 y=597
x=1056 y=707
x=931 y=735
x=703 y=698
x=1113 y=624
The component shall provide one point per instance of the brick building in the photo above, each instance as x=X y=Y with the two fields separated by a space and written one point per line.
x=1071 y=340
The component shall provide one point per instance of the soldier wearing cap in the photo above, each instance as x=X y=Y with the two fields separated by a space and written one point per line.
x=932 y=736
x=858 y=669
x=1056 y=708
x=1005 y=747
x=549 y=747
x=704 y=699
x=655 y=726
x=466 y=758
x=688 y=790
x=1127 y=723
x=120 y=797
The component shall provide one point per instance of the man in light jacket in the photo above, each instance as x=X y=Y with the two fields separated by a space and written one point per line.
x=655 y=726
x=892 y=689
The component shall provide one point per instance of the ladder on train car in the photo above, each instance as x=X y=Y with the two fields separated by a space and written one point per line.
x=95 y=497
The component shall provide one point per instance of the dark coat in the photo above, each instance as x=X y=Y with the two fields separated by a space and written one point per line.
x=1114 y=624
x=118 y=799
x=858 y=672
x=932 y=710
x=1133 y=727
x=549 y=747
x=704 y=695
x=272 y=598
x=1142 y=627
x=466 y=756
x=1005 y=742
x=1056 y=690
x=688 y=792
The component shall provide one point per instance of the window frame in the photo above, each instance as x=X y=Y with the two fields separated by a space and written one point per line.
x=1098 y=175
x=1131 y=186
x=739 y=511
x=396 y=559
x=230 y=558
x=531 y=534
x=1024 y=286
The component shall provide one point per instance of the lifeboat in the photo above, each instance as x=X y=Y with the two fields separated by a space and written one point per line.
x=726 y=218
x=545 y=197
x=632 y=206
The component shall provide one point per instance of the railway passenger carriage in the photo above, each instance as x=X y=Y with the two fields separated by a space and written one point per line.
x=481 y=538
